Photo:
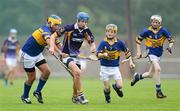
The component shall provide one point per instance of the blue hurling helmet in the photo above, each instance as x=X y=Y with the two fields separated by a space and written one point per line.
x=82 y=16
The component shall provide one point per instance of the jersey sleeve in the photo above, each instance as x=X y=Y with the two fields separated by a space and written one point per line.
x=17 y=43
x=4 y=45
x=124 y=48
x=141 y=36
x=46 y=34
x=64 y=29
x=89 y=36
x=167 y=34
x=100 y=47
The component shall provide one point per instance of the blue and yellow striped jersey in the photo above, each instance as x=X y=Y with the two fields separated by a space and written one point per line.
x=113 y=51
x=37 y=41
x=154 y=39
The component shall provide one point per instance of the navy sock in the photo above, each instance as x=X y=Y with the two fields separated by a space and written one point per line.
x=158 y=88
x=27 y=88
x=106 y=91
x=140 y=77
x=107 y=95
x=41 y=84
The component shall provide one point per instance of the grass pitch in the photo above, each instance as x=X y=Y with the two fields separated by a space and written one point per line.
x=58 y=91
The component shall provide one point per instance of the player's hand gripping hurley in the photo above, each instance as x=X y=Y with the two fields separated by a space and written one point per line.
x=144 y=55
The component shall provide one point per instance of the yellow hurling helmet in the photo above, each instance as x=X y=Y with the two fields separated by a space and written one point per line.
x=54 y=19
x=112 y=27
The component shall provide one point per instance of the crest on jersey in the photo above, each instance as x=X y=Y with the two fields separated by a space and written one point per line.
x=155 y=36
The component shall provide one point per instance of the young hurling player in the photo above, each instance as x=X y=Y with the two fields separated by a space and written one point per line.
x=155 y=36
x=10 y=49
x=75 y=34
x=109 y=53
x=31 y=57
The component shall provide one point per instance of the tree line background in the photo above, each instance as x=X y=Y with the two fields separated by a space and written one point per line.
x=27 y=15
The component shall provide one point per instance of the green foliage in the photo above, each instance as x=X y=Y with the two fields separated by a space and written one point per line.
x=26 y=15
x=168 y=9
x=21 y=14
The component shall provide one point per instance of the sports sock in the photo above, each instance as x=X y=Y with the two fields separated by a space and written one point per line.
x=27 y=88
x=158 y=88
x=106 y=91
x=141 y=77
x=41 y=84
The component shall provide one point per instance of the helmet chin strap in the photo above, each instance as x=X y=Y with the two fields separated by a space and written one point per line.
x=111 y=38
x=49 y=25
x=155 y=28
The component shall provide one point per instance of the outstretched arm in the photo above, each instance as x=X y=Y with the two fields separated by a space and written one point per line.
x=129 y=57
x=171 y=43
x=138 y=55
x=55 y=45
x=93 y=47
x=90 y=39
x=138 y=46
x=51 y=42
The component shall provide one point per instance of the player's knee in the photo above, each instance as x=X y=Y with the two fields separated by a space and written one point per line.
x=107 y=89
x=77 y=74
x=31 y=79
x=46 y=73
x=157 y=69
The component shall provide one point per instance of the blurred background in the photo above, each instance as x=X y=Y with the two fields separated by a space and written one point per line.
x=131 y=16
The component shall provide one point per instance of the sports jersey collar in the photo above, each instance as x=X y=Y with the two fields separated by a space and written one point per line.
x=154 y=31
x=115 y=40
x=48 y=27
x=76 y=27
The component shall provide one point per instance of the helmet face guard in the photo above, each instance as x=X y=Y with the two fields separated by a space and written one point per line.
x=82 y=16
x=54 y=19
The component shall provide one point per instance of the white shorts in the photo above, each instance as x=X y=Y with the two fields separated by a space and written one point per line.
x=76 y=60
x=29 y=62
x=109 y=72
x=154 y=58
x=11 y=62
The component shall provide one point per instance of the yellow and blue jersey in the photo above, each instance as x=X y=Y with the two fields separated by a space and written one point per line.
x=154 y=39
x=113 y=51
x=73 y=38
x=37 y=41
